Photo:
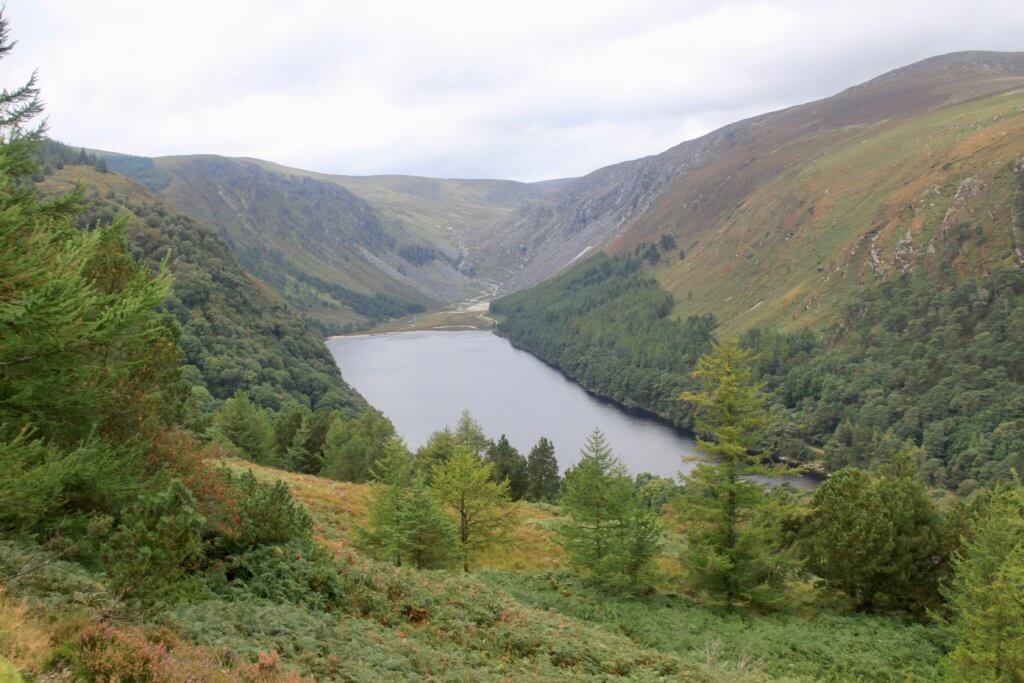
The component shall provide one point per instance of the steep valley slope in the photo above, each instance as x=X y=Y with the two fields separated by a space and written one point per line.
x=345 y=250
x=776 y=219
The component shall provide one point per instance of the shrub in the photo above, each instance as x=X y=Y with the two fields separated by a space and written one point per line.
x=158 y=544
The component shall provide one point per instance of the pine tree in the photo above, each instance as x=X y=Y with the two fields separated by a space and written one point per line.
x=851 y=536
x=298 y=456
x=611 y=534
x=288 y=421
x=542 y=472
x=405 y=524
x=732 y=548
x=464 y=485
x=241 y=424
x=509 y=465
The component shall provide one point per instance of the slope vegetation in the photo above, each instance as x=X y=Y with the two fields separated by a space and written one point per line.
x=777 y=218
x=237 y=333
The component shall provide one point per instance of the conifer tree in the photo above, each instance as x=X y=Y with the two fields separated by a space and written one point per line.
x=288 y=421
x=240 y=423
x=732 y=548
x=406 y=525
x=878 y=535
x=542 y=472
x=464 y=485
x=298 y=457
x=509 y=465
x=611 y=535
x=470 y=435
x=352 y=447
x=986 y=595
x=437 y=450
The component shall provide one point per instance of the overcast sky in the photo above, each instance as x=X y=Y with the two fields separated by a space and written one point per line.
x=523 y=89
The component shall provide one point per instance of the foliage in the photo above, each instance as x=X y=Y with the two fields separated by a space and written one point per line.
x=405 y=524
x=878 y=536
x=736 y=644
x=158 y=544
x=928 y=357
x=732 y=547
x=986 y=595
x=267 y=514
x=464 y=484
x=292 y=417
x=509 y=465
x=542 y=472
x=352 y=447
x=241 y=424
x=606 y=325
x=611 y=535
x=439 y=447
x=470 y=435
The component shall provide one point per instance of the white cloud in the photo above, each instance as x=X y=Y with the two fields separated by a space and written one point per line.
x=530 y=89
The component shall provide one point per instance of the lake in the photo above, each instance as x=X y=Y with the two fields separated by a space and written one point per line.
x=423 y=380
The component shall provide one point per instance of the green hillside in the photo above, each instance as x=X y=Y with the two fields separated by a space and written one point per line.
x=822 y=236
x=236 y=332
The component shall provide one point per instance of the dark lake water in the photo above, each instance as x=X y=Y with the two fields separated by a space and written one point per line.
x=423 y=380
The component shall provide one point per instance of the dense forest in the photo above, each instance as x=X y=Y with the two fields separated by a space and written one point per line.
x=606 y=325
x=928 y=358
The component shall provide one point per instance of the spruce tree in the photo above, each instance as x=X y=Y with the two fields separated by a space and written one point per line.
x=542 y=472
x=732 y=548
x=509 y=465
x=611 y=535
x=465 y=486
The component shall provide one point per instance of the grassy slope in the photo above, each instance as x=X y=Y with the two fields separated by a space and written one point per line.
x=528 y=624
x=782 y=228
x=806 y=644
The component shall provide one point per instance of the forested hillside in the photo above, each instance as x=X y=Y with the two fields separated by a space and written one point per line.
x=236 y=333
x=607 y=326
x=930 y=358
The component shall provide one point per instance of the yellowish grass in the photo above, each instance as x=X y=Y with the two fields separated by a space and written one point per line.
x=339 y=508
x=24 y=639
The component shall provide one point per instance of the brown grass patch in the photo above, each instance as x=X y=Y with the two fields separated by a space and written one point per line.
x=24 y=640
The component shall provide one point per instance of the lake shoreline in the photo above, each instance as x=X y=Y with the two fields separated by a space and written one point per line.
x=635 y=412
x=813 y=470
